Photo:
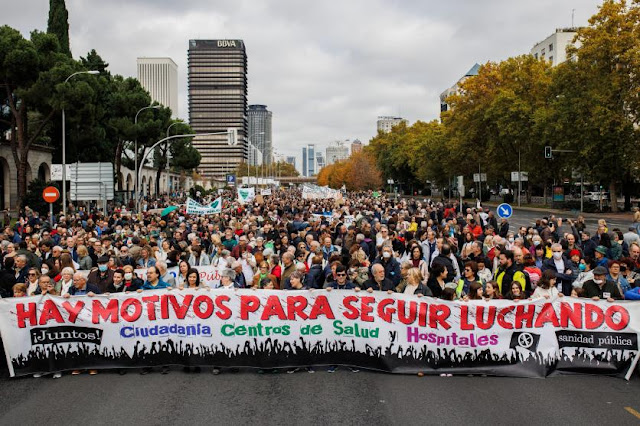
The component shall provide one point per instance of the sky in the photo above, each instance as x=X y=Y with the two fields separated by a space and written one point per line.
x=326 y=69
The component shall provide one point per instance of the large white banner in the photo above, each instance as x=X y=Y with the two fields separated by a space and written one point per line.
x=262 y=328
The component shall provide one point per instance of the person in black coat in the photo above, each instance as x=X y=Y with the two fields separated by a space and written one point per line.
x=315 y=276
x=379 y=282
x=444 y=259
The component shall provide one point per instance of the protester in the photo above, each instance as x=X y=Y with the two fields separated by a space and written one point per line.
x=411 y=246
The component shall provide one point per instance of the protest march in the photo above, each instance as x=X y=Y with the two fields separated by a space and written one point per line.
x=317 y=279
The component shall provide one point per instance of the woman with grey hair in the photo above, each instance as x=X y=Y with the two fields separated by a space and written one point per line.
x=227 y=277
x=66 y=281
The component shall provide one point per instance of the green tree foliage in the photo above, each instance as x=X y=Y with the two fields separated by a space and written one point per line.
x=30 y=71
x=58 y=24
x=594 y=102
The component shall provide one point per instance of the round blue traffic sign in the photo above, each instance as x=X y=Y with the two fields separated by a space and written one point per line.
x=505 y=211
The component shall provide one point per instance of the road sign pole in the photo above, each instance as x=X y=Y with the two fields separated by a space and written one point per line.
x=51 y=214
x=519 y=179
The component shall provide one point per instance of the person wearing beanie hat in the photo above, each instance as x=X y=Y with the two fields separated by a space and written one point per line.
x=601 y=288
x=601 y=256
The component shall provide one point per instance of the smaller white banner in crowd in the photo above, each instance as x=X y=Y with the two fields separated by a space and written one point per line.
x=265 y=192
x=194 y=207
x=246 y=195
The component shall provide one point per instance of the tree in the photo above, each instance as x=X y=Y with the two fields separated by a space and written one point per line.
x=31 y=72
x=493 y=121
x=357 y=173
x=58 y=24
x=603 y=84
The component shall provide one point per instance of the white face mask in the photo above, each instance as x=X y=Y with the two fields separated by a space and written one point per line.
x=598 y=281
x=386 y=255
x=511 y=239
x=557 y=256
x=128 y=276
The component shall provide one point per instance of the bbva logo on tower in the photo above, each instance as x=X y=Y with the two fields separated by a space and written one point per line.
x=227 y=43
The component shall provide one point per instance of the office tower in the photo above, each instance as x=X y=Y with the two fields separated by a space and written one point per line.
x=218 y=102
x=260 y=130
x=385 y=124
x=159 y=76
x=320 y=162
x=444 y=106
x=356 y=146
x=309 y=160
x=337 y=152
x=292 y=161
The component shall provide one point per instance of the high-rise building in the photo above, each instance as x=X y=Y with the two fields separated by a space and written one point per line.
x=338 y=151
x=309 y=160
x=260 y=130
x=554 y=47
x=159 y=76
x=356 y=146
x=218 y=102
x=320 y=162
x=444 y=106
x=385 y=124
x=292 y=161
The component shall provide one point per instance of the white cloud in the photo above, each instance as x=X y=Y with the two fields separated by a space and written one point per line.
x=326 y=69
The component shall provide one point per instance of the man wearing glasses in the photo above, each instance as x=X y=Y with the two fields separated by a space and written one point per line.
x=341 y=282
x=565 y=269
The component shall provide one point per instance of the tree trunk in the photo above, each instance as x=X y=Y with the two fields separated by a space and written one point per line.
x=627 y=185
x=614 y=197
x=544 y=192
x=118 y=164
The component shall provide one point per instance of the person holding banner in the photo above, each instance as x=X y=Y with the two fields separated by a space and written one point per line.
x=131 y=281
x=153 y=281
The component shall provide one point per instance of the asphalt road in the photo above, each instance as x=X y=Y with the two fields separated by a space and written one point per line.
x=344 y=398
x=527 y=218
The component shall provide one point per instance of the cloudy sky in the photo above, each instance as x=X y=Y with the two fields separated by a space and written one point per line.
x=326 y=69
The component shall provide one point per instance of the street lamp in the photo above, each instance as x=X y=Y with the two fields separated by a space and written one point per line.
x=64 y=146
x=135 y=154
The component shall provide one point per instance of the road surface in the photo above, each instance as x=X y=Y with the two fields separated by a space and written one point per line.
x=364 y=398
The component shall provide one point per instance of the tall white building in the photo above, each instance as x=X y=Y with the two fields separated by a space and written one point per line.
x=554 y=47
x=159 y=76
x=338 y=151
x=320 y=162
x=385 y=124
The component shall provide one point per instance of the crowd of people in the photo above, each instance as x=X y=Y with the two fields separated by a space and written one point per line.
x=359 y=242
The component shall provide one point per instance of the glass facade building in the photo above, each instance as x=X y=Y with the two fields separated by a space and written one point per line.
x=260 y=131
x=217 y=81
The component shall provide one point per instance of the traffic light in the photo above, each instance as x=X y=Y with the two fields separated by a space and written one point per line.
x=233 y=136
x=548 y=152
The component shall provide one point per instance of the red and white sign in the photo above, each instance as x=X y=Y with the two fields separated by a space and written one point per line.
x=50 y=194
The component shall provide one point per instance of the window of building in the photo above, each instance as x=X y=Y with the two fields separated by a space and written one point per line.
x=551 y=47
x=551 y=59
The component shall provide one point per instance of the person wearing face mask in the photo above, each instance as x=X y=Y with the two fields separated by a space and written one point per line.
x=566 y=271
x=599 y=288
x=390 y=264
x=103 y=276
x=131 y=282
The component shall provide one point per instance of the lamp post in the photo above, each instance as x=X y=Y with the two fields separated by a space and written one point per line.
x=192 y=135
x=64 y=146
x=249 y=156
x=135 y=154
